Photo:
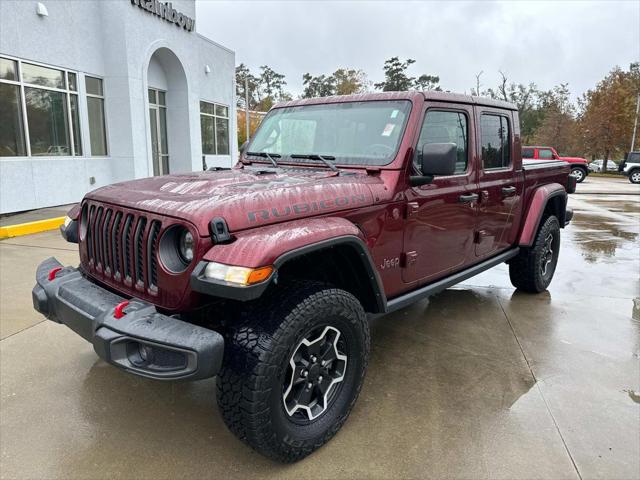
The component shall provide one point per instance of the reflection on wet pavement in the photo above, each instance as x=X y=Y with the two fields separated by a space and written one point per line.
x=480 y=381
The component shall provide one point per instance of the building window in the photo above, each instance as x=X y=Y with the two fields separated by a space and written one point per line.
x=496 y=144
x=95 y=108
x=38 y=110
x=214 y=123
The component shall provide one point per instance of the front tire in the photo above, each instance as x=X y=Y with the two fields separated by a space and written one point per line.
x=533 y=268
x=634 y=176
x=579 y=173
x=293 y=370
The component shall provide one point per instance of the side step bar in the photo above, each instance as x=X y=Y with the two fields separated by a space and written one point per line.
x=433 y=288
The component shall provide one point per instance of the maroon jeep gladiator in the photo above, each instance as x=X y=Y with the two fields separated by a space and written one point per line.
x=265 y=275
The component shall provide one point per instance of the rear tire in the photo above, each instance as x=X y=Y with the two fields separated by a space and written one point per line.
x=634 y=176
x=579 y=173
x=293 y=369
x=533 y=268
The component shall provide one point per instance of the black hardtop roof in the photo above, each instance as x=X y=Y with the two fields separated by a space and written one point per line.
x=428 y=95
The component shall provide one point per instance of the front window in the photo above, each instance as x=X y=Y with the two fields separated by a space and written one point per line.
x=445 y=127
x=38 y=110
x=527 y=153
x=351 y=133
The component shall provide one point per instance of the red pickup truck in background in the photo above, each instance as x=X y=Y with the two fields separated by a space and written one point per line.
x=579 y=166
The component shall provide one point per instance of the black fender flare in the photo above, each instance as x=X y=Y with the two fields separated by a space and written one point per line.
x=364 y=257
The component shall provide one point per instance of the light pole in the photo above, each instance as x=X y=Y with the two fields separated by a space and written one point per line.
x=635 y=124
x=246 y=107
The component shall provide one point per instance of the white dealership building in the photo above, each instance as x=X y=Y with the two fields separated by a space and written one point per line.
x=94 y=92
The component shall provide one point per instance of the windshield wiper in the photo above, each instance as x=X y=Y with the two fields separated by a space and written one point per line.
x=266 y=155
x=323 y=158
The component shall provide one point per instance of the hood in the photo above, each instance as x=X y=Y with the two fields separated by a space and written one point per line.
x=245 y=198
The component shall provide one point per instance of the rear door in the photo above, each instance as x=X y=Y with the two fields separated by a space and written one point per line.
x=499 y=179
x=441 y=215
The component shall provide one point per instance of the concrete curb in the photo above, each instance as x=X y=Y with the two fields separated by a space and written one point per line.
x=605 y=193
x=38 y=226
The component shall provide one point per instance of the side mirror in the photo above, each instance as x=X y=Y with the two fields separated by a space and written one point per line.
x=243 y=147
x=435 y=159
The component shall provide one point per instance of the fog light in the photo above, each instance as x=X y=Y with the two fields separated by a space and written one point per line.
x=145 y=352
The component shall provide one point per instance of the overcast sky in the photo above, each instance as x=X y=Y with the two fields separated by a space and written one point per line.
x=546 y=42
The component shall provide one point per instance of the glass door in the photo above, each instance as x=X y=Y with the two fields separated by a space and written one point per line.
x=158 y=127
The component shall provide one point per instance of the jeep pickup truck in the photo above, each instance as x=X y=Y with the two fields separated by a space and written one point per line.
x=579 y=166
x=265 y=275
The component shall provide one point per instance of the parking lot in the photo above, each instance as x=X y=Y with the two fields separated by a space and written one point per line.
x=480 y=381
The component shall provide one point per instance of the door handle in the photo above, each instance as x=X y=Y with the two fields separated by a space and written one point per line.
x=507 y=191
x=472 y=197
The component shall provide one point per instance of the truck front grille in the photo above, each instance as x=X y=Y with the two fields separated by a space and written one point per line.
x=121 y=247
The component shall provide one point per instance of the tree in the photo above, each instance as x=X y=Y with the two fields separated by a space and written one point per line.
x=427 y=82
x=350 y=81
x=526 y=97
x=264 y=89
x=397 y=80
x=242 y=74
x=341 y=82
x=272 y=85
x=476 y=92
x=607 y=113
x=320 y=86
x=558 y=125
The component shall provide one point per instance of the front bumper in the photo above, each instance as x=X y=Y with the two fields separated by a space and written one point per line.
x=143 y=341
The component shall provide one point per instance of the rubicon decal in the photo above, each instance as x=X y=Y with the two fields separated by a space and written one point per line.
x=305 y=208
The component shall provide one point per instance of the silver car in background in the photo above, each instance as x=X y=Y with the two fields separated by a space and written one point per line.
x=596 y=166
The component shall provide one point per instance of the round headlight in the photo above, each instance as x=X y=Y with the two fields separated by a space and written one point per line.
x=186 y=246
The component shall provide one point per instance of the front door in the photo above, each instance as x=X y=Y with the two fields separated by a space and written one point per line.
x=158 y=131
x=441 y=216
x=499 y=183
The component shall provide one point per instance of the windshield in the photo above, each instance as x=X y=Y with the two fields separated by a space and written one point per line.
x=353 y=133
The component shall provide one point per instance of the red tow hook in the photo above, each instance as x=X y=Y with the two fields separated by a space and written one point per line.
x=53 y=272
x=118 y=310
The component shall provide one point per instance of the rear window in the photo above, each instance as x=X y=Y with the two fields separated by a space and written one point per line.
x=545 y=154
x=496 y=145
x=634 y=157
x=527 y=153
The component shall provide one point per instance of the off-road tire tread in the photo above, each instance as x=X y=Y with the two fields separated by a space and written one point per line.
x=523 y=268
x=251 y=356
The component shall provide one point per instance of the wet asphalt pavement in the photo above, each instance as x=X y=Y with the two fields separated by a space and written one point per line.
x=480 y=381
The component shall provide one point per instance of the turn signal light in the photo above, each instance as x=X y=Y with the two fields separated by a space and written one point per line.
x=259 y=275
